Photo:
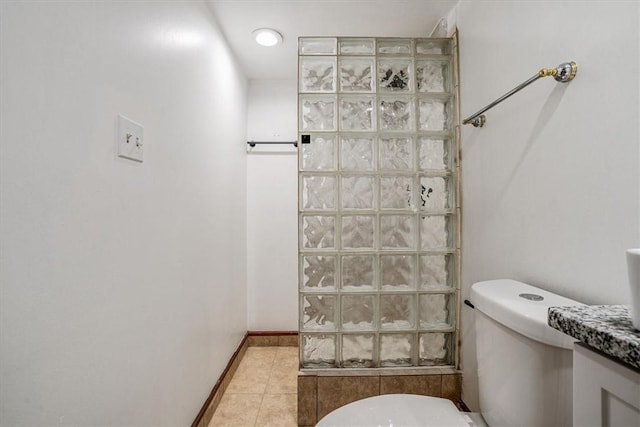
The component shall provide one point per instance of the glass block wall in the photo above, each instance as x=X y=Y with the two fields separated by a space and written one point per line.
x=378 y=202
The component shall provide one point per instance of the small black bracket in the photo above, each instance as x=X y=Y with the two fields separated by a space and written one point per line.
x=305 y=139
x=254 y=143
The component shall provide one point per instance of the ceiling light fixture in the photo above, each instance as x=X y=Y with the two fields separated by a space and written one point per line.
x=267 y=37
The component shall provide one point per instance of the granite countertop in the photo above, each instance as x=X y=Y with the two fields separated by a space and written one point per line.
x=606 y=328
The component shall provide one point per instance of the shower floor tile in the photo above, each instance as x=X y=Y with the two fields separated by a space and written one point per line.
x=263 y=391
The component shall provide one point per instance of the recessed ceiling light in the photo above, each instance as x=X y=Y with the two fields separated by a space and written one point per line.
x=267 y=37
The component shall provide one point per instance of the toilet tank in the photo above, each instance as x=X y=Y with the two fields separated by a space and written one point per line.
x=524 y=365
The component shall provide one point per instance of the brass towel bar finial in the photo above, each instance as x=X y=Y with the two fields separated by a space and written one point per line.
x=563 y=73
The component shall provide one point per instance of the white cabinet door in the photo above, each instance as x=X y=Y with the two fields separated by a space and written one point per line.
x=605 y=392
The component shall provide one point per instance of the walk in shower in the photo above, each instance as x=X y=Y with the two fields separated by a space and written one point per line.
x=378 y=202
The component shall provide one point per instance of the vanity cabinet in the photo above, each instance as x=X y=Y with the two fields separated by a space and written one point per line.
x=606 y=364
x=605 y=391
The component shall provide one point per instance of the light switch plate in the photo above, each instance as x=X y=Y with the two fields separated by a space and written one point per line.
x=130 y=139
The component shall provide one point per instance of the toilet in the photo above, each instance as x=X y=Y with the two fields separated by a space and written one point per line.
x=524 y=369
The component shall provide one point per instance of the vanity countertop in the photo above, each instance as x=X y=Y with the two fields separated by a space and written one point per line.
x=606 y=328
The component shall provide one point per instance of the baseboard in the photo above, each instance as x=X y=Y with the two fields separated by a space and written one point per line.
x=273 y=338
x=250 y=339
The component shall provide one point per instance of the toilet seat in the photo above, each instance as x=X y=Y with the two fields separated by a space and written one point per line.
x=397 y=410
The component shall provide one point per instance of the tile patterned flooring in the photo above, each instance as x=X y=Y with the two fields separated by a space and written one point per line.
x=263 y=390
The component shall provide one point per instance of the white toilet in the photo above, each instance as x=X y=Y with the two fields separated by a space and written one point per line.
x=524 y=369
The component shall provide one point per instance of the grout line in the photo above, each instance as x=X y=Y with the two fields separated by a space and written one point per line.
x=266 y=386
x=273 y=362
x=255 y=423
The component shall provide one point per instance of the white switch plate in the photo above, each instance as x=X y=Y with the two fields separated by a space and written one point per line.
x=130 y=139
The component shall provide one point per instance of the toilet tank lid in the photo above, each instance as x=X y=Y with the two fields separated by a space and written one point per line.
x=501 y=300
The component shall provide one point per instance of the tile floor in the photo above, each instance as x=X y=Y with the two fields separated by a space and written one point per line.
x=263 y=391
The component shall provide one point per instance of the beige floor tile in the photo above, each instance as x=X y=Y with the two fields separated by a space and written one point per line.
x=278 y=410
x=237 y=410
x=282 y=381
x=287 y=352
x=271 y=370
x=249 y=380
x=253 y=372
x=259 y=356
x=286 y=360
x=284 y=374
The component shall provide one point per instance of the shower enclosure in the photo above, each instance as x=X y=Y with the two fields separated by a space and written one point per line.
x=378 y=202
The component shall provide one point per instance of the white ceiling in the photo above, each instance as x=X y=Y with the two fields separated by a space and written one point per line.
x=295 y=18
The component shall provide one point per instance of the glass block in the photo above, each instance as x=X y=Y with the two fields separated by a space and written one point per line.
x=378 y=175
x=319 y=154
x=318 y=192
x=434 y=154
x=357 y=153
x=358 y=272
x=397 y=272
x=318 y=232
x=434 y=114
x=357 y=350
x=357 y=312
x=435 y=349
x=317 y=45
x=318 y=272
x=356 y=74
x=318 y=351
x=351 y=46
x=396 y=192
x=432 y=76
x=318 y=312
x=317 y=74
x=396 y=153
x=394 y=46
x=433 y=47
x=394 y=75
x=396 y=114
x=436 y=272
x=317 y=113
x=397 y=311
x=358 y=192
x=436 y=311
x=395 y=350
x=358 y=231
x=357 y=114
x=435 y=193
x=397 y=231
x=436 y=232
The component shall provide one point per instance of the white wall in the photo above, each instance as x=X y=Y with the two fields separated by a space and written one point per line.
x=272 y=220
x=551 y=185
x=123 y=285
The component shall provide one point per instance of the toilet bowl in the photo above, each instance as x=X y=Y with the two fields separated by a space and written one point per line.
x=524 y=369
x=398 y=410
